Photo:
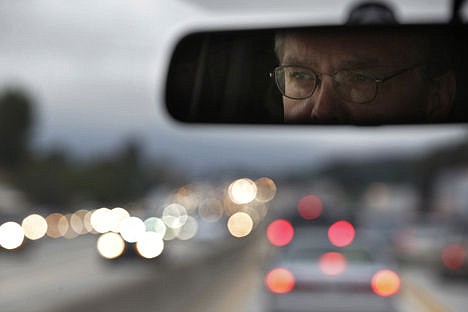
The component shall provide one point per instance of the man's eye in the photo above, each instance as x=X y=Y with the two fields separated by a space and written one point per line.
x=301 y=75
x=358 y=77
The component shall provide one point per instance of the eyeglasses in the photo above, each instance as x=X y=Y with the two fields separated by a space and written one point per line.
x=298 y=82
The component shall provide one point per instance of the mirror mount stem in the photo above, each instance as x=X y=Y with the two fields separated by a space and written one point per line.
x=456 y=8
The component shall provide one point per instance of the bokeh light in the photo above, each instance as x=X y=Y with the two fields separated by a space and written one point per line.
x=87 y=221
x=280 y=232
x=453 y=256
x=280 y=281
x=341 y=233
x=70 y=232
x=174 y=216
x=310 y=207
x=150 y=245
x=156 y=225
x=240 y=224
x=189 y=229
x=186 y=197
x=34 y=226
x=211 y=210
x=242 y=191
x=385 y=283
x=76 y=224
x=117 y=216
x=57 y=225
x=257 y=211
x=230 y=207
x=81 y=215
x=101 y=220
x=261 y=209
x=110 y=245
x=132 y=229
x=171 y=233
x=332 y=263
x=266 y=190
x=11 y=235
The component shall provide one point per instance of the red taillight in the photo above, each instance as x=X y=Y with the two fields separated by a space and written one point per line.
x=453 y=256
x=332 y=263
x=280 y=281
x=341 y=233
x=310 y=207
x=385 y=283
x=280 y=232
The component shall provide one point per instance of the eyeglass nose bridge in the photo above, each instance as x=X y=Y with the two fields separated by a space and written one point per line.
x=319 y=79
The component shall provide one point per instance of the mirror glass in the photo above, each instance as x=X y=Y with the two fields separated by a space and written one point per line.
x=364 y=75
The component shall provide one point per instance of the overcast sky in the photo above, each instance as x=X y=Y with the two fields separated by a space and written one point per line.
x=95 y=70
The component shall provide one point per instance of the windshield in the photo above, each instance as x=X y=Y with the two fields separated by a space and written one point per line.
x=107 y=204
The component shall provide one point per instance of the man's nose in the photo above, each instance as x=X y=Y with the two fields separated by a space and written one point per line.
x=327 y=106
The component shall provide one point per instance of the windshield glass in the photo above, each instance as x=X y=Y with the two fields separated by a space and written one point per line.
x=107 y=204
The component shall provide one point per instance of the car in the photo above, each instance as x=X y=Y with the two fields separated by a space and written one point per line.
x=452 y=261
x=324 y=277
x=420 y=242
x=117 y=103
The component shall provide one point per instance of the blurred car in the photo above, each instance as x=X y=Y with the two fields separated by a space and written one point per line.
x=453 y=253
x=419 y=243
x=313 y=275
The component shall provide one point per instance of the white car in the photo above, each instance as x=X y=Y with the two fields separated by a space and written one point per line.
x=329 y=278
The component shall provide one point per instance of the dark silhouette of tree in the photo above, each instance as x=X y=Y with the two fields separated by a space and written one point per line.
x=16 y=119
x=54 y=178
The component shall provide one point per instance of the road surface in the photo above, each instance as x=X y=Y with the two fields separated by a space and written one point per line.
x=68 y=275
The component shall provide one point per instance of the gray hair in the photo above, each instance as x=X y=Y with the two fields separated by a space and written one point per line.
x=435 y=49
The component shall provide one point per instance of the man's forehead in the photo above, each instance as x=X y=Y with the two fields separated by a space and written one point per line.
x=349 y=61
x=346 y=51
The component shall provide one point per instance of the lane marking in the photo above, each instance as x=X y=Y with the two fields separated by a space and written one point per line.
x=422 y=297
x=249 y=280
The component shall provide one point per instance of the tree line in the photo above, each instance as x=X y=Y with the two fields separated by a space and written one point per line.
x=54 y=178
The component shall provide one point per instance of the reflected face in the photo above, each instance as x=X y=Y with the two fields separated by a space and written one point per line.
x=346 y=67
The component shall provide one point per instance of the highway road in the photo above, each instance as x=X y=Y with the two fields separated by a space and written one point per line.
x=68 y=275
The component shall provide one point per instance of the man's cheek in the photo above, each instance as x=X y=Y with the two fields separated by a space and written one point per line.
x=296 y=109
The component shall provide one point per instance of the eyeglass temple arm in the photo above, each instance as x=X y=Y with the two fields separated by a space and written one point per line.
x=398 y=73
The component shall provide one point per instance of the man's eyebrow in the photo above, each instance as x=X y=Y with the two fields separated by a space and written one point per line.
x=353 y=63
x=357 y=63
x=292 y=60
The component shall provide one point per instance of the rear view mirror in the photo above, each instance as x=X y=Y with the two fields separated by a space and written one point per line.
x=323 y=75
